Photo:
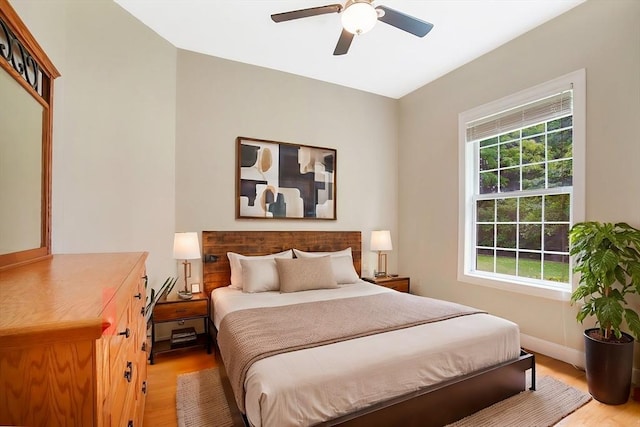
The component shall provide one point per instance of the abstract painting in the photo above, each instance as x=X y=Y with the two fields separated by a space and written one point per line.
x=279 y=180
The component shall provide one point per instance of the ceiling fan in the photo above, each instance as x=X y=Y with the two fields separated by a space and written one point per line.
x=358 y=17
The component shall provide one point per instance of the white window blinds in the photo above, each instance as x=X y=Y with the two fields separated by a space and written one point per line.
x=555 y=106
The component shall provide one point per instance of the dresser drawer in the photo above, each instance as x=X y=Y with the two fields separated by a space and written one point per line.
x=180 y=310
x=121 y=398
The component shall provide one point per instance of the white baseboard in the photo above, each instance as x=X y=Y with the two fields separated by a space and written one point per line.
x=566 y=354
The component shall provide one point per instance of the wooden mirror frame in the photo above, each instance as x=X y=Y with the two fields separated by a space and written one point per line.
x=27 y=63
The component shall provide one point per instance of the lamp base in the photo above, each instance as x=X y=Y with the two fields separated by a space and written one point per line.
x=185 y=295
x=382 y=265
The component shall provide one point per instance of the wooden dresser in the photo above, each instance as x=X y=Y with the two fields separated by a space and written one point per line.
x=73 y=348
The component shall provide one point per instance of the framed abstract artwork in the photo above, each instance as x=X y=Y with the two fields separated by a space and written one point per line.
x=279 y=180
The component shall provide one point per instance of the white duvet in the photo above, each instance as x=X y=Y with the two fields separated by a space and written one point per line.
x=313 y=385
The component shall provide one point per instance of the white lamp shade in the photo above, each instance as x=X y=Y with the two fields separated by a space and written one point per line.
x=186 y=246
x=358 y=18
x=381 y=240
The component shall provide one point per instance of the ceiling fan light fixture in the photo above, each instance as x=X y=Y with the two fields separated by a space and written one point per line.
x=359 y=17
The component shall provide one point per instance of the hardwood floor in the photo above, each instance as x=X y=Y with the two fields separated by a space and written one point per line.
x=160 y=406
x=160 y=410
x=593 y=413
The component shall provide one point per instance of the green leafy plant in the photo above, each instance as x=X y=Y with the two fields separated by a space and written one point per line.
x=607 y=256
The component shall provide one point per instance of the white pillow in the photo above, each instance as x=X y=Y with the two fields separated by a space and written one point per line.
x=304 y=274
x=259 y=275
x=303 y=254
x=236 y=267
x=343 y=270
x=341 y=263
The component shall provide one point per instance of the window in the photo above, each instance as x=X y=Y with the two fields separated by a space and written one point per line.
x=522 y=187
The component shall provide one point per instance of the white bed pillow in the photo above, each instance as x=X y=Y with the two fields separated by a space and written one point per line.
x=343 y=270
x=303 y=274
x=302 y=254
x=341 y=262
x=259 y=275
x=236 y=267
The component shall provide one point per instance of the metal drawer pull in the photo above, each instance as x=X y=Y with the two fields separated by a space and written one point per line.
x=138 y=295
x=130 y=423
x=144 y=387
x=126 y=333
x=181 y=310
x=128 y=372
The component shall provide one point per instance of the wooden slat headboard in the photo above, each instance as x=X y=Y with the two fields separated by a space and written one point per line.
x=217 y=274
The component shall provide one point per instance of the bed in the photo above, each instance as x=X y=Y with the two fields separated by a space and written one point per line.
x=446 y=372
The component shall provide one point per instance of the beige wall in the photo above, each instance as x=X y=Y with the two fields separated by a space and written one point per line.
x=218 y=100
x=114 y=130
x=602 y=37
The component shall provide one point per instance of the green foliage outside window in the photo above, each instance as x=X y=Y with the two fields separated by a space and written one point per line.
x=536 y=157
x=525 y=236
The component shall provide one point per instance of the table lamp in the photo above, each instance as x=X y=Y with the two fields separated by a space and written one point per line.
x=381 y=241
x=186 y=247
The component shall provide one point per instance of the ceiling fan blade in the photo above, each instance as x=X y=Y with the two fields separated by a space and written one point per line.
x=343 y=43
x=304 y=13
x=404 y=22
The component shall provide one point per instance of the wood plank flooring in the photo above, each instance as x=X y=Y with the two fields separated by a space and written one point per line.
x=160 y=410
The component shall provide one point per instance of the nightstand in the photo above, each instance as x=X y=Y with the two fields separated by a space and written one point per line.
x=174 y=309
x=399 y=283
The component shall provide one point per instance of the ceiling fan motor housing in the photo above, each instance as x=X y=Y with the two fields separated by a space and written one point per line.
x=359 y=16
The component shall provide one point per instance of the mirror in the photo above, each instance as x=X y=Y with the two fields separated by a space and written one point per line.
x=26 y=80
x=20 y=168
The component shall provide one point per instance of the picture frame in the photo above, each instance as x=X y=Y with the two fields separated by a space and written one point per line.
x=281 y=180
x=195 y=288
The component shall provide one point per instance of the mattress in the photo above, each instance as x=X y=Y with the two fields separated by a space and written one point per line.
x=309 y=386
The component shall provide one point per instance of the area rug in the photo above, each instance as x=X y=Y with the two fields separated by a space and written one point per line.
x=200 y=402
x=552 y=401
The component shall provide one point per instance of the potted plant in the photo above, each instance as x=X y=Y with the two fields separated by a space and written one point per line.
x=607 y=257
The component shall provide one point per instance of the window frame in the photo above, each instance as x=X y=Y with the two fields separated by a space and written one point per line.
x=467 y=171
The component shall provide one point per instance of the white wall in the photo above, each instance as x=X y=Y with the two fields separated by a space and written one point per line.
x=219 y=100
x=604 y=38
x=113 y=131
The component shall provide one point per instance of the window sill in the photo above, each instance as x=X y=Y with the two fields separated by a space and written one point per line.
x=531 y=289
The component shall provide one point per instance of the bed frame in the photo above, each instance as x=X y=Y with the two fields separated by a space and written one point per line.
x=436 y=405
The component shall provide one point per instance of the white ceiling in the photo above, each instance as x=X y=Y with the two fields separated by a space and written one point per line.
x=384 y=61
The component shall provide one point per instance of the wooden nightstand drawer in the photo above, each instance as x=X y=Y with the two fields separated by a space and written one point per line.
x=180 y=310
x=400 y=284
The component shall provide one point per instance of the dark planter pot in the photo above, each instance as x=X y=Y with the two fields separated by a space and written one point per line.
x=609 y=368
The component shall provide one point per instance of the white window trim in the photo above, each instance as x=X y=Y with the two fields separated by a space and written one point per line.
x=466 y=180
